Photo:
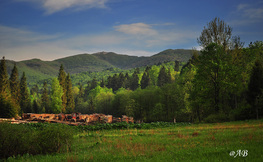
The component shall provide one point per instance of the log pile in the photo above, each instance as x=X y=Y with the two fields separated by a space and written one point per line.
x=70 y=119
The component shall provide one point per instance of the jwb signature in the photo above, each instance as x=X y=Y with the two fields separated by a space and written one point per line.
x=242 y=153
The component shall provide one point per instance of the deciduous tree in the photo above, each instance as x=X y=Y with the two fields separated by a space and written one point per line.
x=216 y=31
x=211 y=78
x=255 y=88
x=56 y=94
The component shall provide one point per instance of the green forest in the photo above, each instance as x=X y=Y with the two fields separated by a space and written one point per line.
x=222 y=82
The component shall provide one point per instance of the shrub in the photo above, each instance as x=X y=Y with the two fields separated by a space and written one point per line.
x=12 y=140
x=214 y=118
x=55 y=138
x=21 y=139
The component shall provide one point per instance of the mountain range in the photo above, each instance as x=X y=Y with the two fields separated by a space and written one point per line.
x=37 y=69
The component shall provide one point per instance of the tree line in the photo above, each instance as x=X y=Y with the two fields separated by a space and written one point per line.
x=222 y=82
x=16 y=98
x=62 y=97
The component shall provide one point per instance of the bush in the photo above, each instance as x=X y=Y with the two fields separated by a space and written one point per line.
x=36 y=139
x=244 y=112
x=13 y=140
x=214 y=118
x=55 y=138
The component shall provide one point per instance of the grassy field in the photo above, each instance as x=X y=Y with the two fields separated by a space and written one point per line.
x=195 y=142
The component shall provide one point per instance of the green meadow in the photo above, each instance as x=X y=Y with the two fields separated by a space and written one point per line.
x=230 y=141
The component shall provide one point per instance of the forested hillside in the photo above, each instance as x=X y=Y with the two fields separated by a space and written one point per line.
x=37 y=70
x=222 y=82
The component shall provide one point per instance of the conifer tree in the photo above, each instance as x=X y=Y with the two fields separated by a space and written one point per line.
x=145 y=82
x=127 y=81
x=109 y=85
x=134 y=81
x=7 y=105
x=15 y=87
x=25 y=103
x=70 y=98
x=147 y=69
x=163 y=77
x=114 y=82
x=45 y=99
x=121 y=80
x=63 y=84
x=36 y=106
x=4 y=82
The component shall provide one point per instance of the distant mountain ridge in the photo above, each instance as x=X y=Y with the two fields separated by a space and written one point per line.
x=37 y=69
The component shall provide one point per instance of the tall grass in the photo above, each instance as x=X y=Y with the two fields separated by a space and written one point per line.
x=196 y=142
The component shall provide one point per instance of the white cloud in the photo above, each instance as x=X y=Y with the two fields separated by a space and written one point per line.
x=242 y=6
x=252 y=12
x=248 y=13
x=145 y=35
x=15 y=37
x=133 y=52
x=136 y=29
x=52 y=6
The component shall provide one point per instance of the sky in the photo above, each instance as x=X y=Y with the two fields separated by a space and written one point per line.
x=52 y=29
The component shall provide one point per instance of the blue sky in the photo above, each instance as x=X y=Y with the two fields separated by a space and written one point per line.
x=51 y=29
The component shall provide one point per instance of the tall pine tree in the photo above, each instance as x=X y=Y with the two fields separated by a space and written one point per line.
x=145 y=82
x=7 y=105
x=163 y=77
x=114 y=82
x=4 y=82
x=70 y=98
x=45 y=99
x=63 y=84
x=25 y=103
x=15 y=87
x=121 y=80
x=126 y=81
x=134 y=80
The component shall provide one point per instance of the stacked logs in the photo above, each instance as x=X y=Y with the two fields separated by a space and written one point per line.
x=75 y=118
